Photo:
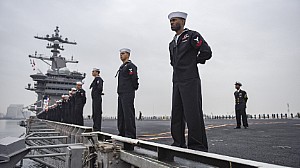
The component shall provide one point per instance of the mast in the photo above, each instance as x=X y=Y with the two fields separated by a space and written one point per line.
x=55 y=40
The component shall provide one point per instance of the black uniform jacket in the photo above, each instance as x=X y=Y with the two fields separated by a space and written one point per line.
x=127 y=78
x=190 y=49
x=80 y=98
x=97 y=87
x=240 y=99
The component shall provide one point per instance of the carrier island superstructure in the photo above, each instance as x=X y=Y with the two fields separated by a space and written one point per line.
x=58 y=79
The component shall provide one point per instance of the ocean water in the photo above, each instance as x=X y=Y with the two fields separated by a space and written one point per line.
x=12 y=128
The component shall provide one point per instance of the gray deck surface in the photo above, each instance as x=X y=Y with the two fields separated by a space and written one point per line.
x=275 y=141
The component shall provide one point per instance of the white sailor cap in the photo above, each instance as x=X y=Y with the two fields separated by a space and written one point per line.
x=125 y=50
x=238 y=83
x=182 y=15
x=65 y=96
x=79 y=83
x=73 y=89
x=96 y=69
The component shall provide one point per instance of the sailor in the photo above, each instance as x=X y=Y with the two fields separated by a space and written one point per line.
x=240 y=106
x=52 y=109
x=60 y=111
x=140 y=115
x=72 y=115
x=55 y=112
x=64 y=108
x=80 y=100
x=50 y=113
x=127 y=85
x=187 y=49
x=97 y=92
x=67 y=108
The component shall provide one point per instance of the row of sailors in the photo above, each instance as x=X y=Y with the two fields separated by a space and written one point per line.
x=69 y=109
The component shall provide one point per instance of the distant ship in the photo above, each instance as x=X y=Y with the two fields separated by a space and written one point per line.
x=58 y=80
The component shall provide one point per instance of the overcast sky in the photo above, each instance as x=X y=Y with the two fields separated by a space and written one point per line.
x=255 y=42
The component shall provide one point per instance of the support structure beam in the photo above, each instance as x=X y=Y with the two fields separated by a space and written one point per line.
x=51 y=146
x=45 y=155
x=49 y=137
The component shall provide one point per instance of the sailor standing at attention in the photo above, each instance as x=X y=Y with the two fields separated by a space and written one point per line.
x=187 y=49
x=127 y=85
x=80 y=100
x=65 y=108
x=72 y=119
x=240 y=106
x=97 y=89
